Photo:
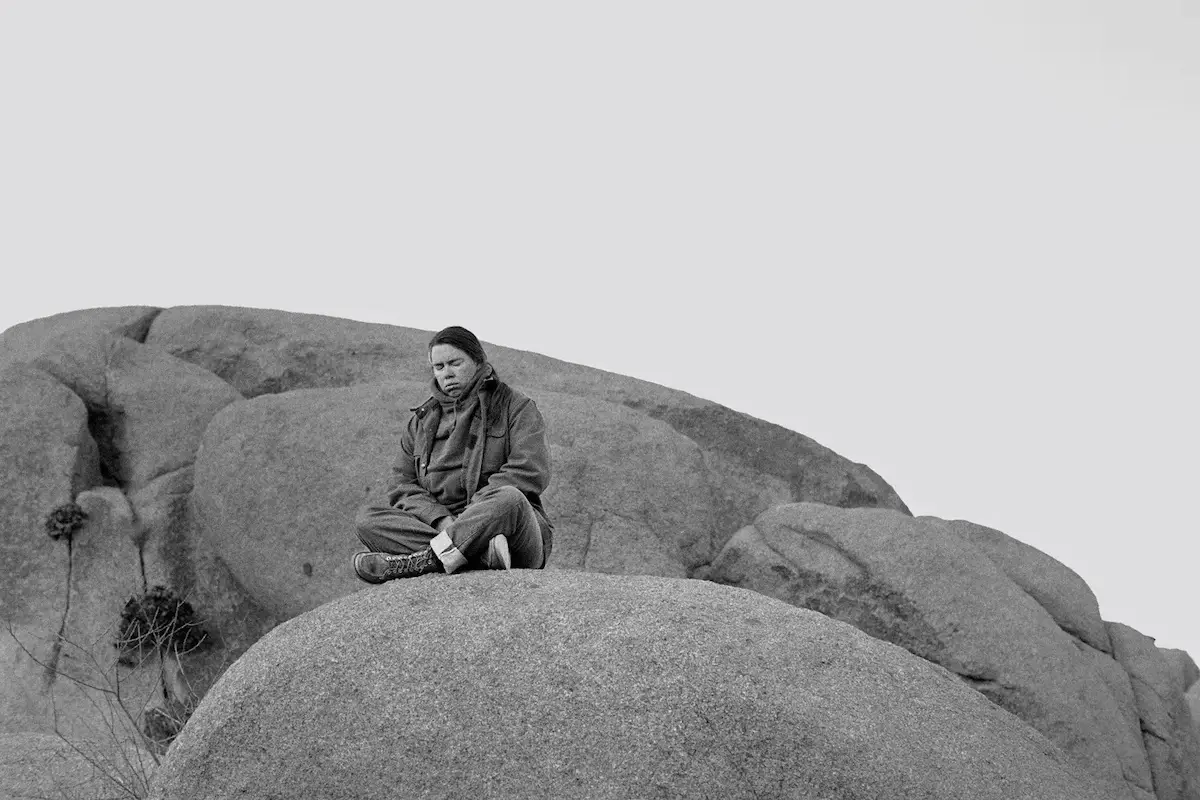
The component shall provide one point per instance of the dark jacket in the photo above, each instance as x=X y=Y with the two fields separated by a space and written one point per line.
x=510 y=451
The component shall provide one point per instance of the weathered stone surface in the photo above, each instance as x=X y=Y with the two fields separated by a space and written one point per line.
x=920 y=586
x=1120 y=687
x=1183 y=668
x=46 y=455
x=632 y=495
x=67 y=677
x=174 y=554
x=1166 y=723
x=105 y=572
x=562 y=684
x=40 y=765
x=64 y=600
x=260 y=351
x=1055 y=586
x=1193 y=701
x=28 y=340
x=280 y=477
x=148 y=409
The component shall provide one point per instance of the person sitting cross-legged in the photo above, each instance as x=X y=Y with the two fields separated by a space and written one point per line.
x=466 y=487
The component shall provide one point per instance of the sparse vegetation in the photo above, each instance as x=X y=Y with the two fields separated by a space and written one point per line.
x=132 y=722
x=158 y=621
x=64 y=520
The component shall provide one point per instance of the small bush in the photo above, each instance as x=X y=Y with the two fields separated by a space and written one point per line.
x=158 y=621
x=65 y=520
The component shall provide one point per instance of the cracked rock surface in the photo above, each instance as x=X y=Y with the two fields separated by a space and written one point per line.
x=91 y=415
x=47 y=456
x=917 y=584
x=255 y=525
x=1164 y=714
x=222 y=453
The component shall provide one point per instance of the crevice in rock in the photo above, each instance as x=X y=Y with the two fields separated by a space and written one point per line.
x=104 y=426
x=1077 y=639
x=51 y=672
x=774 y=550
x=139 y=329
x=824 y=539
x=978 y=683
x=861 y=600
x=713 y=534
x=142 y=565
x=587 y=542
x=1149 y=734
x=168 y=472
x=1167 y=701
x=1147 y=731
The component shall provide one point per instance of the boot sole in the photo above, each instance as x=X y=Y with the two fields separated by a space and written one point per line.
x=498 y=556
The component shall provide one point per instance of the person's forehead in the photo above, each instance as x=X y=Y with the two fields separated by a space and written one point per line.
x=445 y=352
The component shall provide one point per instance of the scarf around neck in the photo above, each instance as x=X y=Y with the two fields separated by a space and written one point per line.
x=462 y=411
x=469 y=392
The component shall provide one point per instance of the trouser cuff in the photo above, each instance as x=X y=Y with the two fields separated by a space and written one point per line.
x=451 y=557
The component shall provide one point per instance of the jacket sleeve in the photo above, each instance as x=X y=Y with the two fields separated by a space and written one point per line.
x=528 y=464
x=405 y=491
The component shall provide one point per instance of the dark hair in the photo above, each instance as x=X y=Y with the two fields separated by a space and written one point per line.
x=463 y=339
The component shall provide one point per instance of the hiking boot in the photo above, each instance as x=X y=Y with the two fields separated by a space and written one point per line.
x=380 y=567
x=497 y=553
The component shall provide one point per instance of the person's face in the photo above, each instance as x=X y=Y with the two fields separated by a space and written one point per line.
x=452 y=368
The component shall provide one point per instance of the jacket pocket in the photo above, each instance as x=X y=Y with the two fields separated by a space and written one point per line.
x=495 y=449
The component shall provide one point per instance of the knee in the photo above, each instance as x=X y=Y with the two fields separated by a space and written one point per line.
x=510 y=496
x=365 y=519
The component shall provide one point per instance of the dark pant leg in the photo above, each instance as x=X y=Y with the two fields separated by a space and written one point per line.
x=389 y=530
x=500 y=510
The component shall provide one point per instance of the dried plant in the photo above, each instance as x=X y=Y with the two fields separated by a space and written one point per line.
x=158 y=621
x=64 y=520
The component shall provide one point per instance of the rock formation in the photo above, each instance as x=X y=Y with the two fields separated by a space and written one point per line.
x=215 y=458
x=1007 y=619
x=1163 y=714
x=564 y=685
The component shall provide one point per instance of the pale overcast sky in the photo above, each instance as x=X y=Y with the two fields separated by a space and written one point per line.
x=952 y=240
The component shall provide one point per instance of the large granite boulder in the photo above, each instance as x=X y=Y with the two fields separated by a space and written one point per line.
x=1183 y=668
x=557 y=684
x=260 y=351
x=147 y=409
x=95 y=417
x=1052 y=585
x=28 y=340
x=111 y=406
x=222 y=453
x=280 y=477
x=1164 y=714
x=920 y=585
x=46 y=457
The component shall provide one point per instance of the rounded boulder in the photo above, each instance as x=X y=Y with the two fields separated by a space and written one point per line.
x=563 y=684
